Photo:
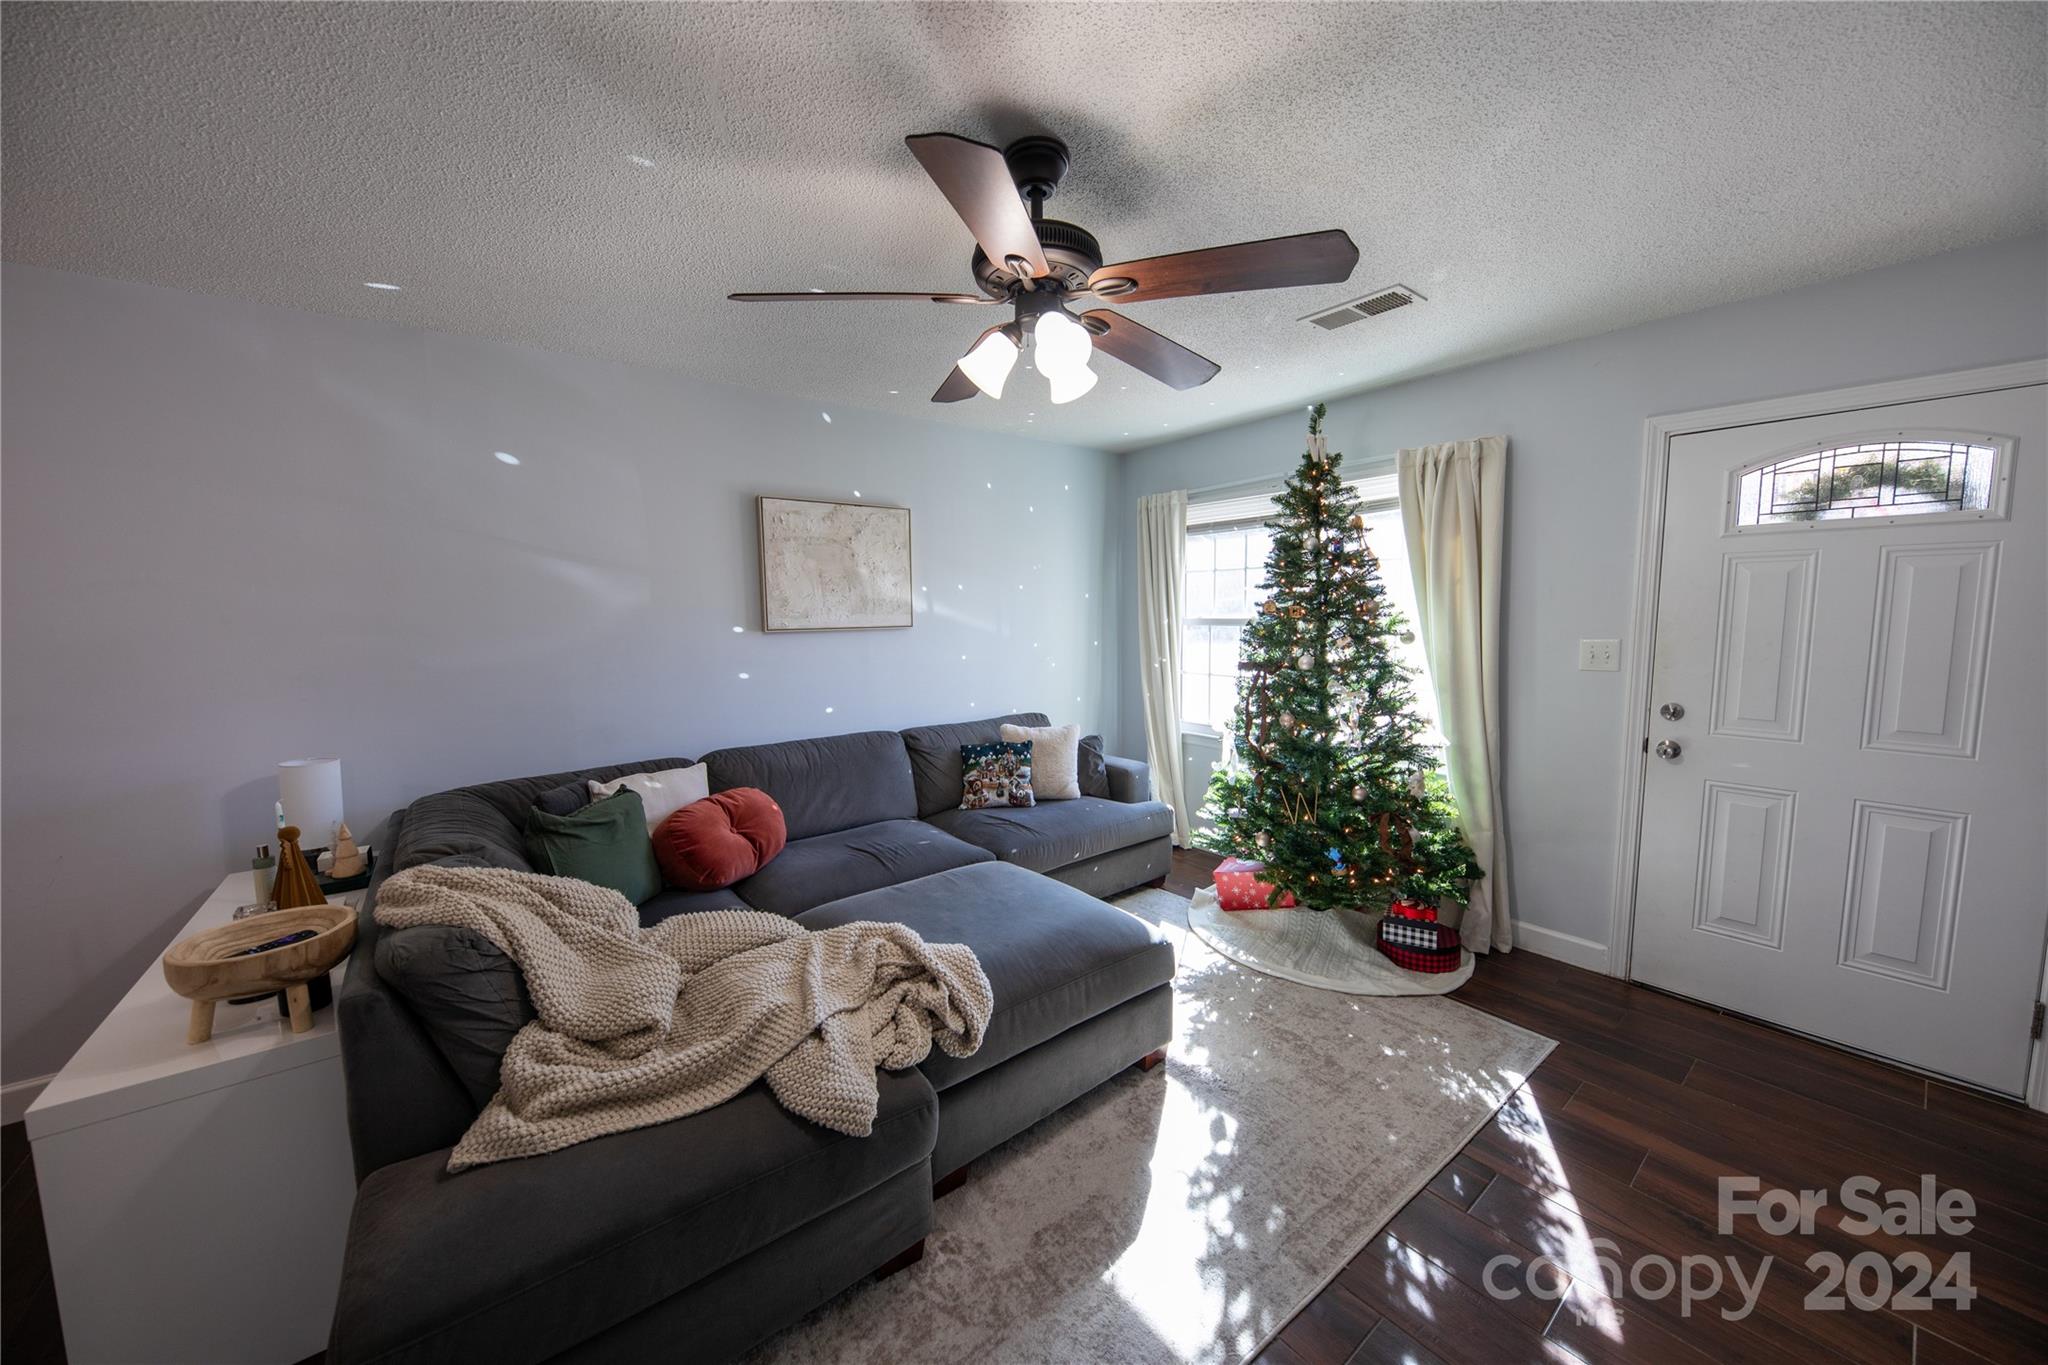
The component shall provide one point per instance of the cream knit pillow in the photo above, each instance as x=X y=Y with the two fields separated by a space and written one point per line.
x=1055 y=758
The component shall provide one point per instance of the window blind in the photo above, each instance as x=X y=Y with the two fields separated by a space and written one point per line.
x=1250 y=504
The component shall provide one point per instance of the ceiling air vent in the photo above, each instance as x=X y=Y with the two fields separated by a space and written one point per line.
x=1371 y=306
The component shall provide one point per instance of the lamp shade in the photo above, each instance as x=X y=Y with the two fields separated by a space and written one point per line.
x=309 y=790
x=988 y=364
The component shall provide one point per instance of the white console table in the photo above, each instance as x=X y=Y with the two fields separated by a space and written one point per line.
x=196 y=1196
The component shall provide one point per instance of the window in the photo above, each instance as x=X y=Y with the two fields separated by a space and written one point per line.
x=1226 y=574
x=1873 y=478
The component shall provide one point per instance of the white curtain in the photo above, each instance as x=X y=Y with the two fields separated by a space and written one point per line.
x=1162 y=557
x=1452 y=500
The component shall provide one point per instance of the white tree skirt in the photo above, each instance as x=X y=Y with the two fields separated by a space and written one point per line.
x=1327 y=948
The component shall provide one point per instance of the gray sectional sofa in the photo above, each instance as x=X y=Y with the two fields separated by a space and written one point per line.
x=693 y=1240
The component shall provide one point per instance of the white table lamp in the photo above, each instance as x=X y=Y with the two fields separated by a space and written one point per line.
x=309 y=791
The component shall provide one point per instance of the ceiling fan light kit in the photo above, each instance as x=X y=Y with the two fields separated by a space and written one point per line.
x=989 y=361
x=1038 y=265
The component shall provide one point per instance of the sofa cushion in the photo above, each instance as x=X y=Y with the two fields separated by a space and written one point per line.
x=488 y=822
x=710 y=844
x=826 y=867
x=566 y=799
x=465 y=992
x=825 y=785
x=1055 y=956
x=605 y=844
x=997 y=774
x=1055 y=758
x=675 y=901
x=520 y=1260
x=661 y=793
x=1094 y=774
x=934 y=752
x=1056 y=833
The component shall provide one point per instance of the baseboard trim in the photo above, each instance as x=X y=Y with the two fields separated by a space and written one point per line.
x=17 y=1096
x=1579 y=952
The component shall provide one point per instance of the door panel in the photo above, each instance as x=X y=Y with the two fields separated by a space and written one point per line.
x=1851 y=835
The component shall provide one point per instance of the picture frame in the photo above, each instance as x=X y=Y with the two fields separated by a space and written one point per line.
x=834 y=565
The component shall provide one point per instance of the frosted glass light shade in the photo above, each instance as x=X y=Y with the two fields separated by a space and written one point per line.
x=1069 y=385
x=309 y=789
x=1063 y=346
x=988 y=364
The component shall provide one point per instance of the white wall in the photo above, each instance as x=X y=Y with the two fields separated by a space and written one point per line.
x=235 y=534
x=1574 y=415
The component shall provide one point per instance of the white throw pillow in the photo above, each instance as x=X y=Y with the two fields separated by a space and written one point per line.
x=663 y=793
x=1055 y=758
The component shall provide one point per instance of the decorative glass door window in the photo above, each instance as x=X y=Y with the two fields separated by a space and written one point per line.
x=1873 y=478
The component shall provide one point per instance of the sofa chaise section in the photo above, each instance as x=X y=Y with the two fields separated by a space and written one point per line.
x=1056 y=959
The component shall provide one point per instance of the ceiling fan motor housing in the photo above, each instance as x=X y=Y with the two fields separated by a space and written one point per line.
x=1071 y=252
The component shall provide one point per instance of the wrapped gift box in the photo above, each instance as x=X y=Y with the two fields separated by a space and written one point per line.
x=1410 y=937
x=1238 y=887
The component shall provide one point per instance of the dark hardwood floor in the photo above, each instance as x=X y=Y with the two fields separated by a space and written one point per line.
x=1619 y=1140
x=1622 y=1135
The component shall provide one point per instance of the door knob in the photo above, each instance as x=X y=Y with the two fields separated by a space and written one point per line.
x=1668 y=748
x=1671 y=710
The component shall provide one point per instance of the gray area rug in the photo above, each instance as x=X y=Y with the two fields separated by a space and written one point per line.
x=1327 y=948
x=1184 y=1214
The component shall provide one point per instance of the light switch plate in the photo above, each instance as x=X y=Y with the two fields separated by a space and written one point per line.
x=1599 y=656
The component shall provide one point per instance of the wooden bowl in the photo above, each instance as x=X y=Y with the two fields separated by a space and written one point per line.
x=206 y=968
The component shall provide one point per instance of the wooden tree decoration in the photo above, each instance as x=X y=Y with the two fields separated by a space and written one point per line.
x=295 y=884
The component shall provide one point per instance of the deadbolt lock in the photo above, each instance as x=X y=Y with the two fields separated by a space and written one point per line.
x=1671 y=710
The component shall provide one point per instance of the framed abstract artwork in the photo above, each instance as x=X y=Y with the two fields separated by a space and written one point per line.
x=834 y=565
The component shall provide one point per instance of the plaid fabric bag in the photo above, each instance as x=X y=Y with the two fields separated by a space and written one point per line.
x=1410 y=937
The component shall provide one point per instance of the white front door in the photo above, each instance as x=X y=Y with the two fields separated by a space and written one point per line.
x=1845 y=810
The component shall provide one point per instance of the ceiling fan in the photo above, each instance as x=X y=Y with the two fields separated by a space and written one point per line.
x=1039 y=265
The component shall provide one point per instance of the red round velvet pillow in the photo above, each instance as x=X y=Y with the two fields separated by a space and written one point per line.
x=723 y=838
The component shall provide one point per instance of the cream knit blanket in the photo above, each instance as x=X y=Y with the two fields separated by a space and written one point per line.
x=640 y=1026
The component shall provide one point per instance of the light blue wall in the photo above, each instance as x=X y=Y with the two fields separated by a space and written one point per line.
x=235 y=533
x=1574 y=418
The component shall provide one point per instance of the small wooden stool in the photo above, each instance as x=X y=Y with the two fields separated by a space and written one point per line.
x=206 y=968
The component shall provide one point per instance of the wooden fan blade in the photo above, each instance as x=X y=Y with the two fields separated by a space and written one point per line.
x=1275 y=263
x=815 y=296
x=1138 y=346
x=956 y=387
x=976 y=182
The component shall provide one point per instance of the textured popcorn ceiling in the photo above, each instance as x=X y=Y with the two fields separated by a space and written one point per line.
x=1539 y=172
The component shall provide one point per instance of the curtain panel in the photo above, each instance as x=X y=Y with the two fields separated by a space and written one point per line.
x=1162 y=560
x=1453 y=498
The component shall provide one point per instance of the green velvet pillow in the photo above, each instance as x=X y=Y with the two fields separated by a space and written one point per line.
x=606 y=842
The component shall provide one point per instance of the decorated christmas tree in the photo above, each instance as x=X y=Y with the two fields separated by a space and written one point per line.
x=1331 y=785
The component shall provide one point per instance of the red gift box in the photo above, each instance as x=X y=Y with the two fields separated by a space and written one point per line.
x=1238 y=887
